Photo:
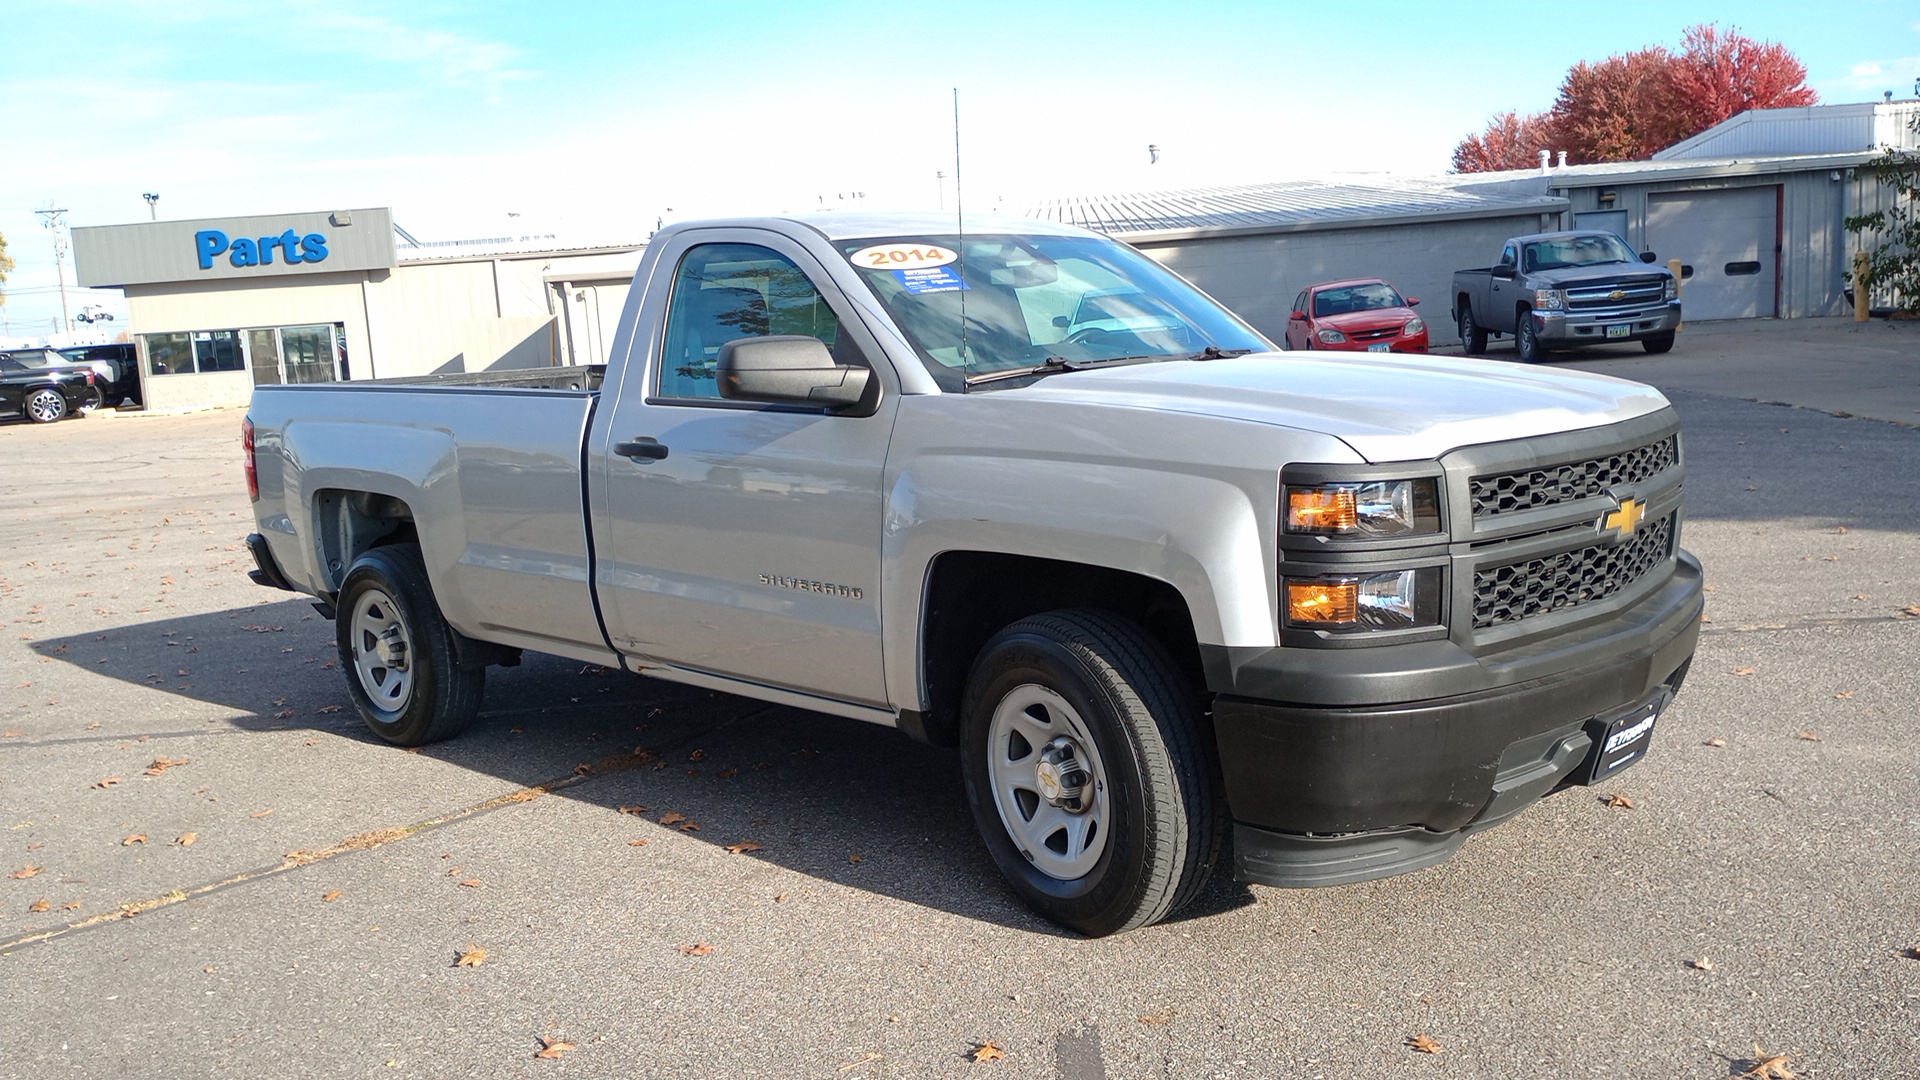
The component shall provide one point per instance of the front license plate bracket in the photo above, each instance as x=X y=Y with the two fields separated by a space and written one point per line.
x=1619 y=741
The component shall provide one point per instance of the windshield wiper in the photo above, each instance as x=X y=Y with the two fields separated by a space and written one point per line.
x=1052 y=365
x=1215 y=352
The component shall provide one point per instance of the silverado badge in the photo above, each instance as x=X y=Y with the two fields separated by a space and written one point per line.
x=1627 y=518
x=1617 y=294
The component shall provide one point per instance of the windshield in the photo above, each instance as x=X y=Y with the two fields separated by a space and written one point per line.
x=1351 y=298
x=1576 y=251
x=1030 y=299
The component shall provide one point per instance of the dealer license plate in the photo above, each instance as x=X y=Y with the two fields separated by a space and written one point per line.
x=1620 y=330
x=1621 y=742
x=1382 y=347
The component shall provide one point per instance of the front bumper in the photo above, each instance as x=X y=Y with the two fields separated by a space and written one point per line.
x=1565 y=329
x=1327 y=794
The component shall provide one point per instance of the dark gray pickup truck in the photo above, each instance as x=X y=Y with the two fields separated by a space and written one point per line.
x=1565 y=289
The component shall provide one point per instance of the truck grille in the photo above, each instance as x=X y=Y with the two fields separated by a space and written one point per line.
x=1505 y=594
x=1554 y=484
x=1631 y=294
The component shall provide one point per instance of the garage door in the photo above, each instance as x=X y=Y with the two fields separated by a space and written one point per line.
x=1726 y=243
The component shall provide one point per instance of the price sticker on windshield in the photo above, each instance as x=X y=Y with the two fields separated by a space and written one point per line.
x=902 y=257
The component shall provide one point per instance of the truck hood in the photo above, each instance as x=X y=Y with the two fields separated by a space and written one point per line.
x=1387 y=406
x=1576 y=275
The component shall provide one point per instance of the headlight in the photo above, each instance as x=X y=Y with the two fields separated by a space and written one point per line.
x=1546 y=299
x=1395 y=600
x=1673 y=289
x=1331 y=337
x=1378 y=508
x=1414 y=326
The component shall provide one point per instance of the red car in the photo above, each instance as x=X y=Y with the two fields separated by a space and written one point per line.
x=1357 y=315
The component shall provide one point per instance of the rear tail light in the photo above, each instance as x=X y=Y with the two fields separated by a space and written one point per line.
x=246 y=446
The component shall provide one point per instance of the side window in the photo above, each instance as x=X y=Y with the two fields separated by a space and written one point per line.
x=727 y=291
x=1508 y=258
x=1300 y=302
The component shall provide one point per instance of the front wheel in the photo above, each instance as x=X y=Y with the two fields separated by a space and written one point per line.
x=1087 y=773
x=44 y=406
x=403 y=668
x=1526 y=339
x=1658 y=343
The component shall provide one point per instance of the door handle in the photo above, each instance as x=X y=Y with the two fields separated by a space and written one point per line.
x=646 y=448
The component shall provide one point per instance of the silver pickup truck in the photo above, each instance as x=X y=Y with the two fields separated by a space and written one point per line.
x=1566 y=289
x=1148 y=576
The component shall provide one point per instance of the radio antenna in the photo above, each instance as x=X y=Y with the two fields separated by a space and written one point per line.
x=960 y=228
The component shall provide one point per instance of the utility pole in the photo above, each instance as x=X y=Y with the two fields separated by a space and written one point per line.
x=53 y=221
x=153 y=200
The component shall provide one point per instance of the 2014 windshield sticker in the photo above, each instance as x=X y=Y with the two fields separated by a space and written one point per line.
x=902 y=256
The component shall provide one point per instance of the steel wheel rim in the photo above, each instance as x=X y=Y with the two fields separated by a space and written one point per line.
x=382 y=651
x=45 y=405
x=1061 y=841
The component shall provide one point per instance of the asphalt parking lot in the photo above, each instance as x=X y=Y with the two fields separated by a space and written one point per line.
x=209 y=869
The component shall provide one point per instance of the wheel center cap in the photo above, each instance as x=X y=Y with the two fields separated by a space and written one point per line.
x=1060 y=776
x=392 y=648
x=1048 y=776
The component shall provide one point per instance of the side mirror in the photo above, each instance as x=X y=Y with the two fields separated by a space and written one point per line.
x=1503 y=272
x=1413 y=301
x=1646 y=256
x=790 y=368
x=1298 y=316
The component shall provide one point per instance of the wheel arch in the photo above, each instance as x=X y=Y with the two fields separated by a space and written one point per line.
x=970 y=595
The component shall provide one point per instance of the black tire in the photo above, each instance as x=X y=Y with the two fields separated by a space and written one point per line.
x=1473 y=336
x=96 y=397
x=44 y=405
x=1526 y=338
x=1146 y=774
x=402 y=666
x=1658 y=343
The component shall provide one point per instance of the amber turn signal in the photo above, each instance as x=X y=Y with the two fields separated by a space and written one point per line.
x=1325 y=509
x=1310 y=602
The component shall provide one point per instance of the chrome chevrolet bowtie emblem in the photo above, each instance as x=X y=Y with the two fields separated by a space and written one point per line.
x=1618 y=294
x=1627 y=518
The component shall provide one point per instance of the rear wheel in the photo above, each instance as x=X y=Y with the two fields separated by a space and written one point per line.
x=1526 y=338
x=96 y=397
x=1658 y=343
x=1473 y=336
x=403 y=668
x=1087 y=772
x=44 y=406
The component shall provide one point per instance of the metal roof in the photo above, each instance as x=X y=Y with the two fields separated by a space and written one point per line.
x=1812 y=129
x=1295 y=204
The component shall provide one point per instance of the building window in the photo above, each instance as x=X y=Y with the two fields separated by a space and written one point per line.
x=272 y=354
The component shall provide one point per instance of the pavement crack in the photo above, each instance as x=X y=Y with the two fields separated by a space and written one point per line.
x=1807 y=622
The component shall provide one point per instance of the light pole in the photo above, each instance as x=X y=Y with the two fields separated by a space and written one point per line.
x=153 y=199
x=53 y=222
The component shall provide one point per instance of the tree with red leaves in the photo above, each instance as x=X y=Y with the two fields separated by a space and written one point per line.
x=1511 y=141
x=1627 y=108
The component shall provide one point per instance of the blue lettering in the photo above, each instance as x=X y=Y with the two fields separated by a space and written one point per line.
x=267 y=244
x=211 y=242
x=289 y=242
x=245 y=253
x=314 y=247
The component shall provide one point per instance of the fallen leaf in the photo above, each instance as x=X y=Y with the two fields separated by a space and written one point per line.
x=697 y=755
x=70 y=905
x=1768 y=1066
x=1911 y=610
x=1714 y=742
x=744 y=846
x=1423 y=1044
x=39 y=905
x=582 y=769
x=1617 y=801
x=1844 y=695
x=552 y=1048
x=26 y=872
x=473 y=957
x=262 y=813
x=1743 y=671
x=107 y=782
x=208 y=969
x=1808 y=736
x=330 y=896
x=727 y=774
x=780 y=898
x=691 y=826
x=186 y=839
x=1702 y=964
x=638 y=843
x=855 y=859
x=986 y=1051
x=1156 y=1019
x=671 y=818
x=471 y=883
x=636 y=811
x=1910 y=954
x=136 y=838
x=698 y=948
x=162 y=764
x=1842 y=530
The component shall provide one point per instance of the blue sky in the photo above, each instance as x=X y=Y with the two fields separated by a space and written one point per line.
x=593 y=120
